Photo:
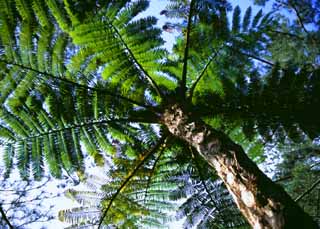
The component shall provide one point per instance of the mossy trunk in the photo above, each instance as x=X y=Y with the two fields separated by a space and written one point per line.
x=263 y=203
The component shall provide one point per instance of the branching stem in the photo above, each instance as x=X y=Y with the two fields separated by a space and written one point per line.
x=136 y=62
x=95 y=122
x=193 y=87
x=152 y=173
x=315 y=184
x=251 y=56
x=41 y=74
x=142 y=160
x=5 y=218
x=186 y=52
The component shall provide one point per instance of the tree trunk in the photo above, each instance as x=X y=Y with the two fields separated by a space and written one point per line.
x=264 y=203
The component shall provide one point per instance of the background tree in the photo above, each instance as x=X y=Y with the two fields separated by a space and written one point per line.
x=99 y=77
x=21 y=203
x=299 y=173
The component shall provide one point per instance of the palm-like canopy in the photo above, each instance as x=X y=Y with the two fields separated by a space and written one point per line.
x=89 y=73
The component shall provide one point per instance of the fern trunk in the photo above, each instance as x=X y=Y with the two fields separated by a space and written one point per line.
x=262 y=202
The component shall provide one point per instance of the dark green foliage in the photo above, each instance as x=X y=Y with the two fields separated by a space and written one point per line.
x=298 y=172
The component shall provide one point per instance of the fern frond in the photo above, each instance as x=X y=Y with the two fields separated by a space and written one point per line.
x=246 y=19
x=80 y=215
x=37 y=161
x=141 y=161
x=236 y=20
x=23 y=8
x=23 y=159
x=59 y=14
x=256 y=19
x=38 y=7
x=8 y=155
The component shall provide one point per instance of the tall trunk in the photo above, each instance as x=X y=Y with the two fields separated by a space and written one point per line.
x=263 y=203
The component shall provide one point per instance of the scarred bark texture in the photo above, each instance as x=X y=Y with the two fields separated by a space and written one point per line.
x=263 y=203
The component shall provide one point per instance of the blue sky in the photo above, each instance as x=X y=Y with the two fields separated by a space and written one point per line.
x=157 y=5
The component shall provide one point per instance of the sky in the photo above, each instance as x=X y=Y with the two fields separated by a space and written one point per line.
x=58 y=187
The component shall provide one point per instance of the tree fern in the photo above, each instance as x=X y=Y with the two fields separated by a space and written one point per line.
x=85 y=73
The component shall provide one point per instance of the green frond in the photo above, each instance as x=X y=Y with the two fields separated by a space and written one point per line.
x=7 y=84
x=207 y=202
x=121 y=43
x=41 y=12
x=58 y=55
x=88 y=77
x=13 y=122
x=8 y=37
x=246 y=19
x=51 y=156
x=65 y=152
x=103 y=141
x=127 y=210
x=266 y=20
x=73 y=17
x=236 y=19
x=76 y=151
x=87 y=198
x=23 y=159
x=6 y=134
x=57 y=10
x=114 y=8
x=43 y=50
x=45 y=120
x=6 y=9
x=24 y=9
x=91 y=147
x=256 y=19
x=80 y=215
x=26 y=44
x=129 y=12
x=37 y=158
x=30 y=122
x=8 y=155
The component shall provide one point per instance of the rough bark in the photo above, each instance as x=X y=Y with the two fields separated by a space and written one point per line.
x=264 y=203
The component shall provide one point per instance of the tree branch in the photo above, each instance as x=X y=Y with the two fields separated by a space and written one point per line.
x=136 y=62
x=96 y=122
x=26 y=190
x=5 y=218
x=194 y=85
x=286 y=34
x=290 y=4
x=251 y=56
x=186 y=53
x=308 y=191
x=283 y=178
x=299 y=17
x=152 y=173
x=142 y=160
